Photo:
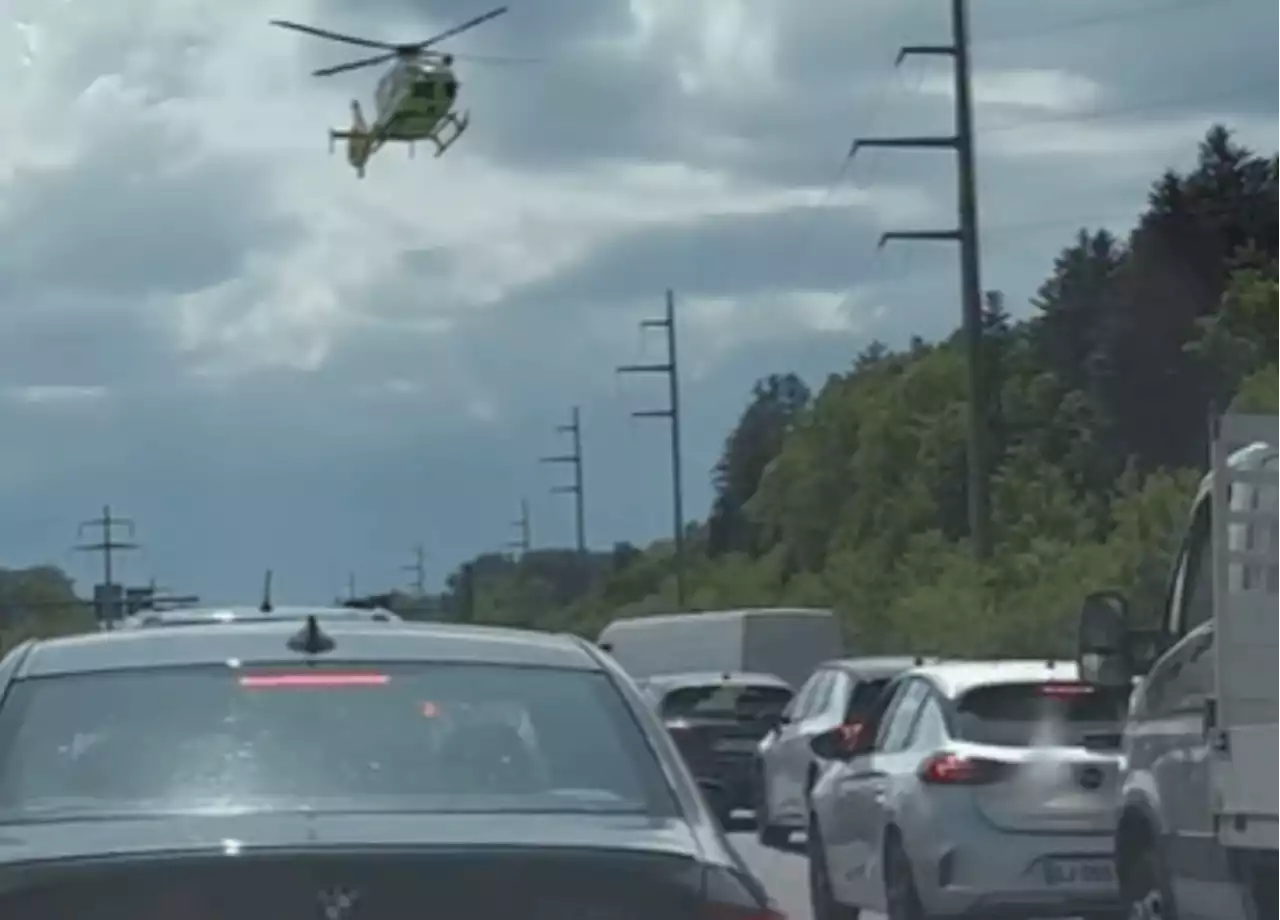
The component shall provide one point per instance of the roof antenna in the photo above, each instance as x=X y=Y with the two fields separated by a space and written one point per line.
x=266 y=606
x=311 y=639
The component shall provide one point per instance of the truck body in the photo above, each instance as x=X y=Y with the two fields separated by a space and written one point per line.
x=786 y=642
x=1197 y=830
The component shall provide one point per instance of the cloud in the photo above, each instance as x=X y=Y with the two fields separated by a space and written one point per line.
x=209 y=317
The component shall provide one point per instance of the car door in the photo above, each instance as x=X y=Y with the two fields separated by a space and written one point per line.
x=792 y=760
x=859 y=797
x=1177 y=693
x=900 y=805
x=773 y=750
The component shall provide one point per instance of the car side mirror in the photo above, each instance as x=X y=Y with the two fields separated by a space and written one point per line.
x=841 y=743
x=1102 y=644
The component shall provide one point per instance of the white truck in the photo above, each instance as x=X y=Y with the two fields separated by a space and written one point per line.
x=786 y=642
x=1196 y=832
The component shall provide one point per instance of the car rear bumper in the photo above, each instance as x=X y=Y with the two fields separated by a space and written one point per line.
x=992 y=875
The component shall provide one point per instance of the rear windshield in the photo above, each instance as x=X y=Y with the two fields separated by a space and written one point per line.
x=1041 y=714
x=428 y=738
x=740 y=702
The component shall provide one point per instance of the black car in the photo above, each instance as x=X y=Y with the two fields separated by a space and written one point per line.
x=718 y=721
x=346 y=771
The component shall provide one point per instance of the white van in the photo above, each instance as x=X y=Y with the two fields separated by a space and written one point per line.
x=786 y=642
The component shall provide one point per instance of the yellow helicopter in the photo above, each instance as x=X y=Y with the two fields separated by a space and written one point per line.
x=414 y=100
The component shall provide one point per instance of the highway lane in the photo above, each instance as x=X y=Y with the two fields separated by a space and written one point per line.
x=784 y=874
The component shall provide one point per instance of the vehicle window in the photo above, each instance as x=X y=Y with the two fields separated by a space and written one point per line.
x=795 y=709
x=837 y=692
x=894 y=733
x=404 y=738
x=812 y=704
x=930 y=729
x=863 y=698
x=1037 y=714
x=739 y=702
x=1195 y=601
x=424 y=89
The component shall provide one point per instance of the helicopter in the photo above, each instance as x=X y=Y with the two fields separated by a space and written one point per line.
x=414 y=100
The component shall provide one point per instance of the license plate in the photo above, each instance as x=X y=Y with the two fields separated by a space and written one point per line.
x=1079 y=872
x=737 y=745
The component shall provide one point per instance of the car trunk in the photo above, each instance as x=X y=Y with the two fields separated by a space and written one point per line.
x=464 y=878
x=1054 y=747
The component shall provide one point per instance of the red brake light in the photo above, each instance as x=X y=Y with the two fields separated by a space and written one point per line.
x=272 y=681
x=1064 y=689
x=953 y=770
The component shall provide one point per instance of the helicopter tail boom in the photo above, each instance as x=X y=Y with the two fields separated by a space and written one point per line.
x=361 y=142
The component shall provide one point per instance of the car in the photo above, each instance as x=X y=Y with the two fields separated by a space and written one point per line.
x=840 y=692
x=190 y=616
x=348 y=770
x=980 y=788
x=717 y=721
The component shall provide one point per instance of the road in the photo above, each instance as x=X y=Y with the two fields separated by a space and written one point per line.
x=784 y=874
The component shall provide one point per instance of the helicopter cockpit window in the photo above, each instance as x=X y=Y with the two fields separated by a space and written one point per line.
x=424 y=89
x=451 y=90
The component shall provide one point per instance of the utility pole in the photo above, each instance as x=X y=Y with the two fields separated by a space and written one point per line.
x=108 y=545
x=522 y=525
x=672 y=413
x=574 y=428
x=419 y=569
x=967 y=236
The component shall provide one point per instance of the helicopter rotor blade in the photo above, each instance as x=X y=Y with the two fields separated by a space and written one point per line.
x=333 y=36
x=355 y=65
x=469 y=24
x=494 y=58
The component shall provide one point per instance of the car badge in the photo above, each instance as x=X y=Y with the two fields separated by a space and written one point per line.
x=338 y=903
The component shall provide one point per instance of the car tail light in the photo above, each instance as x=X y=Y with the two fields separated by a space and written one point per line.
x=946 y=769
x=849 y=733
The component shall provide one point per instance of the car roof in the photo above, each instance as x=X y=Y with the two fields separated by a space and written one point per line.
x=267 y=642
x=184 y=616
x=874 y=666
x=955 y=678
x=680 y=679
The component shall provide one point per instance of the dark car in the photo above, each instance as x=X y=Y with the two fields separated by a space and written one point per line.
x=348 y=770
x=839 y=692
x=718 y=721
x=190 y=616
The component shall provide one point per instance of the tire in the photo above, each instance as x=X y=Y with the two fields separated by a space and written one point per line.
x=822 y=902
x=1145 y=892
x=770 y=835
x=902 y=898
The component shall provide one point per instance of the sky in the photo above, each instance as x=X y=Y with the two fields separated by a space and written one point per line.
x=210 y=324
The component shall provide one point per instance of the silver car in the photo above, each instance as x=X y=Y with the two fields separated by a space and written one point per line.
x=839 y=692
x=983 y=788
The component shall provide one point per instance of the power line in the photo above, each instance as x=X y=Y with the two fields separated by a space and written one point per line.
x=671 y=368
x=419 y=569
x=523 y=542
x=108 y=545
x=574 y=429
x=966 y=234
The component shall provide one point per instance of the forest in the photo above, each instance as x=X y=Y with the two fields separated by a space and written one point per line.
x=853 y=495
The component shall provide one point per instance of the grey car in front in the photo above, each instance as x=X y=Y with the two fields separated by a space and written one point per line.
x=364 y=771
x=980 y=789
x=839 y=693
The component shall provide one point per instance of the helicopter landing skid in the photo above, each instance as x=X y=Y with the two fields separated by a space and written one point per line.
x=458 y=123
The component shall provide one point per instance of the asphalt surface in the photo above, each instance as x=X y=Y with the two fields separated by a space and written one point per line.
x=784 y=874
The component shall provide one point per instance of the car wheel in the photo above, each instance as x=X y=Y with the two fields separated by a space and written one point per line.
x=822 y=901
x=902 y=898
x=769 y=834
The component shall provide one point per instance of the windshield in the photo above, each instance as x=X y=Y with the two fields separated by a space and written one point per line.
x=442 y=738
x=1041 y=714
x=739 y=702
